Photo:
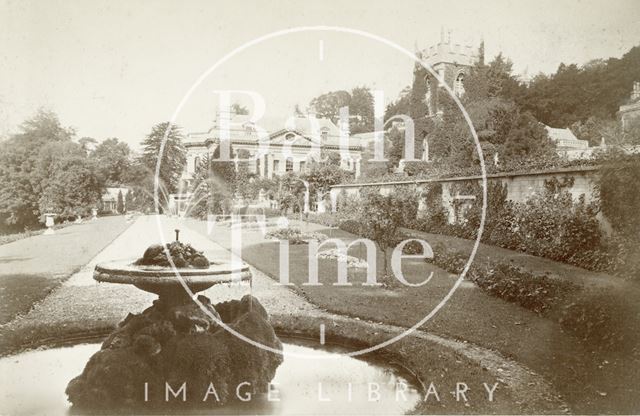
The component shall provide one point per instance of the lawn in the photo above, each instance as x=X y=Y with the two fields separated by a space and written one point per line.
x=472 y=315
x=19 y=292
x=32 y=267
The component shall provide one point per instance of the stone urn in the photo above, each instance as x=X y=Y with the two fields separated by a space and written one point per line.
x=49 y=222
x=144 y=363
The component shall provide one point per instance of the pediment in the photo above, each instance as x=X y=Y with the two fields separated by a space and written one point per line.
x=291 y=137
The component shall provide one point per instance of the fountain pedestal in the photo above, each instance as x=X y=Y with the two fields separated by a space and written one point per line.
x=175 y=342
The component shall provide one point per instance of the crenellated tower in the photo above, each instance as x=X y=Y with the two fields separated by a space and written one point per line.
x=451 y=61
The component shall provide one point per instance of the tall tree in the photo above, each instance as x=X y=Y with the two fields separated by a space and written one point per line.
x=120 y=203
x=20 y=184
x=213 y=185
x=113 y=159
x=360 y=104
x=576 y=93
x=69 y=183
x=171 y=156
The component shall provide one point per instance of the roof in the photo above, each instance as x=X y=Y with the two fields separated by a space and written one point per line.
x=243 y=130
x=565 y=138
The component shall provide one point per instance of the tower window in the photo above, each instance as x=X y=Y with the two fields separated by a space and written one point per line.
x=458 y=85
x=428 y=96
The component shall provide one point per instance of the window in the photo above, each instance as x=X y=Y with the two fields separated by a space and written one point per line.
x=276 y=166
x=324 y=134
x=289 y=165
x=302 y=166
x=458 y=85
x=428 y=96
x=196 y=163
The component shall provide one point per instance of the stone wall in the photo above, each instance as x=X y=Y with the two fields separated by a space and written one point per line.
x=520 y=186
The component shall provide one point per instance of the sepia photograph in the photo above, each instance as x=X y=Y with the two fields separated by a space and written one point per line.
x=346 y=207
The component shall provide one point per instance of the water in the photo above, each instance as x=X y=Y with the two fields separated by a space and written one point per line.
x=33 y=383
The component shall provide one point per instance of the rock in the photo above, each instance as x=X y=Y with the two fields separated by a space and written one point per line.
x=176 y=344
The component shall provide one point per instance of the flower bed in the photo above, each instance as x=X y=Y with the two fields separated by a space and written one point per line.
x=295 y=236
x=510 y=283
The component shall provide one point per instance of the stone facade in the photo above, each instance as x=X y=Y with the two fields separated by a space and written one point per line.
x=302 y=141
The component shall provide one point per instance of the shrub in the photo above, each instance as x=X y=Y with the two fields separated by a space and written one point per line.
x=294 y=235
x=412 y=247
x=326 y=219
x=507 y=282
x=513 y=284
x=550 y=224
x=351 y=226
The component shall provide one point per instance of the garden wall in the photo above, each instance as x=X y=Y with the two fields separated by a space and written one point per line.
x=520 y=187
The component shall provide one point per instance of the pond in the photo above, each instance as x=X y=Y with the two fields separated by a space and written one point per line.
x=34 y=382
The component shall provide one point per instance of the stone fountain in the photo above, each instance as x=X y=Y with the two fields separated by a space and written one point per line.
x=150 y=356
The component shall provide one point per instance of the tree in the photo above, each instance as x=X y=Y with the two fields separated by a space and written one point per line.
x=120 y=203
x=129 y=203
x=361 y=110
x=69 y=183
x=290 y=192
x=359 y=101
x=321 y=177
x=87 y=143
x=381 y=217
x=213 y=185
x=20 y=184
x=328 y=105
x=574 y=93
x=173 y=157
x=113 y=159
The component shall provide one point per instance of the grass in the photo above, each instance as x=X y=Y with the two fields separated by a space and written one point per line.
x=10 y=238
x=538 y=341
x=19 y=292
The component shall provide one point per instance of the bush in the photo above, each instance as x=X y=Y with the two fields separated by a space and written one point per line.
x=351 y=226
x=512 y=284
x=550 y=224
x=507 y=282
x=326 y=219
x=412 y=247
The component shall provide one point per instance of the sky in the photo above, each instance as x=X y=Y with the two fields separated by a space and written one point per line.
x=115 y=68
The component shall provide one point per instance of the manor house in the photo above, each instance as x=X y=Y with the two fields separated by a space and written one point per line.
x=292 y=148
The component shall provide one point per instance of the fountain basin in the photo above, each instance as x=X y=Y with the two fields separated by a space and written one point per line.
x=164 y=281
x=33 y=382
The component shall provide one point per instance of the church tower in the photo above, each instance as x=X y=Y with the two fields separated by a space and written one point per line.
x=451 y=61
